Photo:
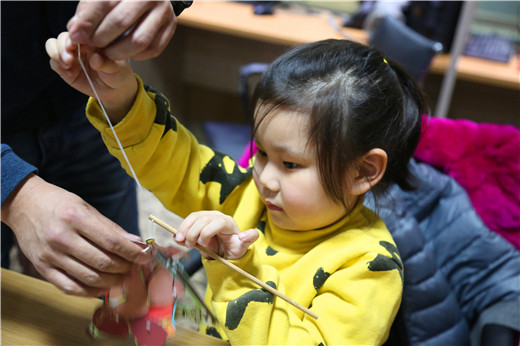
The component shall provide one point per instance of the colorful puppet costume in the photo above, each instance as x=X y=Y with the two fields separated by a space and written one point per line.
x=144 y=305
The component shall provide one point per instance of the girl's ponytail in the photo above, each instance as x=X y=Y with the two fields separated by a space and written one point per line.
x=413 y=105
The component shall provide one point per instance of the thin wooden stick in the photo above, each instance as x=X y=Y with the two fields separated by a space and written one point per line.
x=238 y=270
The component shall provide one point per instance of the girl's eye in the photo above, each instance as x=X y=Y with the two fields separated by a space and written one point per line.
x=290 y=165
x=261 y=152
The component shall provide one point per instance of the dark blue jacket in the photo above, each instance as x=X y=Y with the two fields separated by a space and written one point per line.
x=459 y=275
x=34 y=97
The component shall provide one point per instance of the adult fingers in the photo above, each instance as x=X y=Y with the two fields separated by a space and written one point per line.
x=70 y=286
x=160 y=42
x=106 y=235
x=89 y=14
x=148 y=37
x=102 y=25
x=88 y=276
x=121 y=18
x=70 y=243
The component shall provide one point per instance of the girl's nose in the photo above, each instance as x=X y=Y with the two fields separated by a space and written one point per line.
x=268 y=177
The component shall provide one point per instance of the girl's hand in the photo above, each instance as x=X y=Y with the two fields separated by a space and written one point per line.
x=114 y=81
x=217 y=232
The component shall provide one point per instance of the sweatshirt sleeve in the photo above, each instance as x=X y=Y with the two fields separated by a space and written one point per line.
x=14 y=171
x=167 y=158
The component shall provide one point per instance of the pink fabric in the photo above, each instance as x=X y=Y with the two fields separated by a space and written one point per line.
x=243 y=161
x=485 y=160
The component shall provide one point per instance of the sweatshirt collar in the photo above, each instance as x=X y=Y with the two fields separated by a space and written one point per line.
x=303 y=241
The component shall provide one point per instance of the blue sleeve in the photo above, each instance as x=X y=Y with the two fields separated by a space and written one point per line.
x=14 y=171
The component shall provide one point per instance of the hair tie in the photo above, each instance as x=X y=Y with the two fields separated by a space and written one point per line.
x=384 y=60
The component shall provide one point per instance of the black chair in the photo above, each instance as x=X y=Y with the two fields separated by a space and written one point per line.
x=231 y=138
x=402 y=44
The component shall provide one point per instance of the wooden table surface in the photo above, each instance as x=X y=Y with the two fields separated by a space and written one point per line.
x=289 y=28
x=35 y=312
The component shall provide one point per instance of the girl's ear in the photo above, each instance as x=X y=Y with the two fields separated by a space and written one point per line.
x=370 y=171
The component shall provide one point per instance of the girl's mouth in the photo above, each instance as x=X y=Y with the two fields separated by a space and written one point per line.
x=273 y=207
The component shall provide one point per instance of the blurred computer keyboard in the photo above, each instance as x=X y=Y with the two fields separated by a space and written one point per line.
x=489 y=47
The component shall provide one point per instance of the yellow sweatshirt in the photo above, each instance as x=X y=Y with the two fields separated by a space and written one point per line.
x=349 y=273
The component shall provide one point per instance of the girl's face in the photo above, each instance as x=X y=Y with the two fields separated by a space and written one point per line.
x=286 y=174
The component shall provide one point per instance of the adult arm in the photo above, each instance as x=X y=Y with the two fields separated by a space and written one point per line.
x=126 y=29
x=70 y=243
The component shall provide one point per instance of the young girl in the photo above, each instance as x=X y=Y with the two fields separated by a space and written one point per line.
x=332 y=120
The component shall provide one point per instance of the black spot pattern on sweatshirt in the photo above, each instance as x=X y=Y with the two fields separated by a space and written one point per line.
x=236 y=308
x=261 y=226
x=384 y=263
x=215 y=171
x=213 y=332
x=270 y=251
x=163 y=116
x=319 y=278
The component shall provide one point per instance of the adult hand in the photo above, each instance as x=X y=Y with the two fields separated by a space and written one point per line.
x=69 y=243
x=148 y=27
x=217 y=232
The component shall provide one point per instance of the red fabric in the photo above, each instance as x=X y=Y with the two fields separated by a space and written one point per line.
x=485 y=160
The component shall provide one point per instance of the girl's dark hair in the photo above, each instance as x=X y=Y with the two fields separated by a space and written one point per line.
x=357 y=100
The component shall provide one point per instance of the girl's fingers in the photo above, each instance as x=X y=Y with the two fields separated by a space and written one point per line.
x=66 y=57
x=184 y=227
x=99 y=63
x=222 y=226
x=51 y=47
x=192 y=224
x=248 y=237
x=59 y=51
x=193 y=234
x=217 y=232
x=212 y=229
x=68 y=75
